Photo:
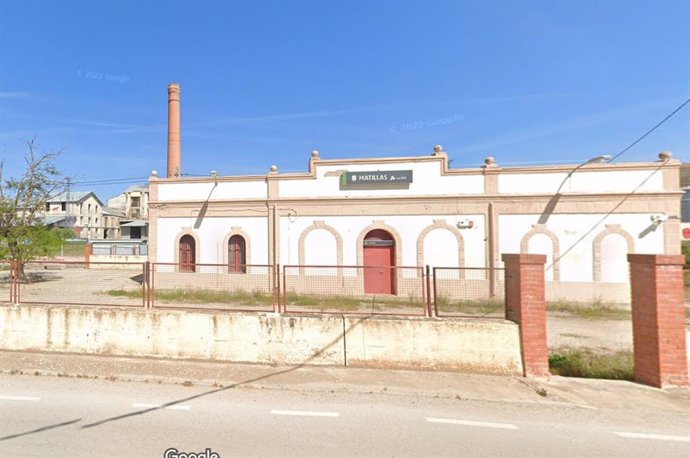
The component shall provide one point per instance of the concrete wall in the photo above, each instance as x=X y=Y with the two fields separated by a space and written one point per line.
x=581 y=181
x=210 y=236
x=427 y=180
x=120 y=258
x=409 y=228
x=473 y=345
x=241 y=189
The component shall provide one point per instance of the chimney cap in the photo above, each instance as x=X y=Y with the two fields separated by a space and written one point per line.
x=174 y=87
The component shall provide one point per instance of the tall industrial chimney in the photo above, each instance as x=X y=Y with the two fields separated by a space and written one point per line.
x=174 y=159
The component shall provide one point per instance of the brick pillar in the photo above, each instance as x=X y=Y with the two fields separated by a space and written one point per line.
x=526 y=306
x=658 y=316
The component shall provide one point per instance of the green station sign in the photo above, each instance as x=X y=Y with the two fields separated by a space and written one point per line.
x=379 y=177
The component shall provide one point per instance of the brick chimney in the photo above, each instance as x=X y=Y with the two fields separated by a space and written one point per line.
x=174 y=159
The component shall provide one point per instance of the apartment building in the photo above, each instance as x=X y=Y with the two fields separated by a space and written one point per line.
x=83 y=212
x=133 y=204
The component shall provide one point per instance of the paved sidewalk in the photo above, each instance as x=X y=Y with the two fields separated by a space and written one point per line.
x=557 y=391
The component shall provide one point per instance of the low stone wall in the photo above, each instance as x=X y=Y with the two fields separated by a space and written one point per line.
x=476 y=345
x=113 y=260
x=470 y=345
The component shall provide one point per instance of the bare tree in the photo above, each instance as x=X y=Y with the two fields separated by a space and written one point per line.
x=23 y=235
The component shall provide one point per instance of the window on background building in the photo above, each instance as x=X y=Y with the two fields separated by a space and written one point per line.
x=63 y=206
x=237 y=254
x=47 y=206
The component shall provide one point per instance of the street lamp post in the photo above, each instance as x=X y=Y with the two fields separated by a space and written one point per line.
x=594 y=160
x=554 y=200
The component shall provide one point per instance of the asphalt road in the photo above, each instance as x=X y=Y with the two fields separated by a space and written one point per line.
x=71 y=417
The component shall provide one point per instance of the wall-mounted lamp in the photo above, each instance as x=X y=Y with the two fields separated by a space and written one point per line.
x=465 y=224
x=599 y=159
x=594 y=160
x=658 y=219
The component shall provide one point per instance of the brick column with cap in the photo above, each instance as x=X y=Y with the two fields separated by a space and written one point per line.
x=658 y=316
x=526 y=306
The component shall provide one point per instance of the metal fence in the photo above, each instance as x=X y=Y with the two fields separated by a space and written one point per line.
x=6 y=282
x=213 y=286
x=362 y=290
x=78 y=283
x=459 y=292
x=354 y=290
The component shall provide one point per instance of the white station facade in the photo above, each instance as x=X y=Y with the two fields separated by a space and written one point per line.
x=416 y=211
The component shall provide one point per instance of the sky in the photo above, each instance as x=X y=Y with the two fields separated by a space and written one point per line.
x=266 y=82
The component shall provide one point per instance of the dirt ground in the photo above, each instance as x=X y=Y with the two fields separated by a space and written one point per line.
x=597 y=334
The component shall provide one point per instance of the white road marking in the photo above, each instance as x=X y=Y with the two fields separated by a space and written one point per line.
x=18 y=398
x=658 y=437
x=153 y=406
x=305 y=413
x=482 y=424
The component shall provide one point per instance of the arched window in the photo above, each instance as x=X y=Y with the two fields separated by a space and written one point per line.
x=187 y=253
x=237 y=254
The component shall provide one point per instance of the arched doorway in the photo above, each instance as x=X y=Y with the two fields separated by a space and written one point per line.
x=237 y=254
x=187 y=254
x=379 y=262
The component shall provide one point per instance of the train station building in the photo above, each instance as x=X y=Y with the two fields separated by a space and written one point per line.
x=418 y=211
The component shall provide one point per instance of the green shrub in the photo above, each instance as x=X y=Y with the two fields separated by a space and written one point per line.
x=587 y=363
x=685 y=248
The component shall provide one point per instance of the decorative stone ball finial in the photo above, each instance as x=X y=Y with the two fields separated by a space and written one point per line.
x=274 y=169
x=665 y=155
x=490 y=161
x=154 y=173
x=315 y=153
x=438 y=149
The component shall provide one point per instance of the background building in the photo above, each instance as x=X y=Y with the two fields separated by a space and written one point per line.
x=83 y=212
x=133 y=204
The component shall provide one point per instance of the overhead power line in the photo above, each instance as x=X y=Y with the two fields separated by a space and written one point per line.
x=110 y=181
x=680 y=107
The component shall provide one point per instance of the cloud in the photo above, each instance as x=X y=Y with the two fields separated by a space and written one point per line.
x=14 y=95
x=580 y=122
x=293 y=116
x=28 y=134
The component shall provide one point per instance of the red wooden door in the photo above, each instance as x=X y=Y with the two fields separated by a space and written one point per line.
x=379 y=263
x=237 y=256
x=187 y=254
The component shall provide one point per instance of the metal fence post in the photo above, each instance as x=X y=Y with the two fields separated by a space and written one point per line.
x=276 y=288
x=13 y=282
x=147 y=284
x=428 y=291
x=152 y=284
x=284 y=285
x=435 y=309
